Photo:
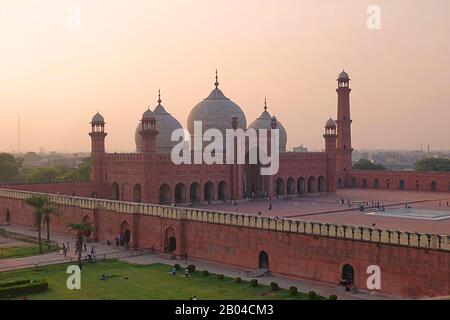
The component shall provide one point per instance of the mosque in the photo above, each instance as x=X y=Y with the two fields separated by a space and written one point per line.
x=125 y=189
x=149 y=175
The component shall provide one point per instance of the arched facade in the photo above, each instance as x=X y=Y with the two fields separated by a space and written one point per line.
x=208 y=192
x=164 y=194
x=222 y=191
x=279 y=187
x=194 y=192
x=322 y=186
x=115 y=191
x=137 y=193
x=290 y=186
x=312 y=185
x=180 y=193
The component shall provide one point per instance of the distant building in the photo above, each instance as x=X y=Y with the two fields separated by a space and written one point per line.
x=300 y=149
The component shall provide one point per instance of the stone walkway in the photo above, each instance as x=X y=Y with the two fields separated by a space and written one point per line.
x=283 y=282
x=102 y=251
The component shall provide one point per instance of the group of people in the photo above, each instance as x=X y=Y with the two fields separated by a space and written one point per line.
x=186 y=272
x=66 y=250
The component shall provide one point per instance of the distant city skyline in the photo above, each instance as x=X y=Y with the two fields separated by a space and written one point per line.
x=55 y=77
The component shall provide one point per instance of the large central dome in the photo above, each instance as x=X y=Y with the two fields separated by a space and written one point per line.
x=216 y=112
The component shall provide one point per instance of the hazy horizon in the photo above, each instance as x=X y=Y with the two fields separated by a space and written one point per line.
x=56 y=78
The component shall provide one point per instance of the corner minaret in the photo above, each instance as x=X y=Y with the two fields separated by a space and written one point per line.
x=344 y=141
x=330 y=137
x=148 y=132
x=98 y=135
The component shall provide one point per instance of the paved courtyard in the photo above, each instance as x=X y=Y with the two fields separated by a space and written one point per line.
x=326 y=209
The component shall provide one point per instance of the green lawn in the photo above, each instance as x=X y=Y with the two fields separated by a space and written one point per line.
x=132 y=281
x=18 y=252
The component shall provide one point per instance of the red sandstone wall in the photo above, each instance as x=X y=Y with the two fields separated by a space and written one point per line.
x=391 y=180
x=405 y=271
x=79 y=189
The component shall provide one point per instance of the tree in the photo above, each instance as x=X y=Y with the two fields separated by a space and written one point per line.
x=83 y=230
x=364 y=164
x=9 y=167
x=433 y=164
x=48 y=211
x=40 y=204
x=44 y=175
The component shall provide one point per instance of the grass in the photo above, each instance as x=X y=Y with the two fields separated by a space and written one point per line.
x=24 y=251
x=137 y=282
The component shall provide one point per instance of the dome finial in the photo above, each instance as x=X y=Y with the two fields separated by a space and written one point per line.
x=265 y=103
x=217 y=80
x=159 y=96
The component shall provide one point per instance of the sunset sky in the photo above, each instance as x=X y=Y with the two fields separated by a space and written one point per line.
x=57 y=77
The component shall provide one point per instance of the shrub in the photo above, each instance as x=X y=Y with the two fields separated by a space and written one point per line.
x=312 y=295
x=191 y=268
x=293 y=291
x=253 y=283
x=221 y=276
x=177 y=267
x=22 y=287
x=238 y=280
x=333 y=297
x=205 y=273
x=274 y=286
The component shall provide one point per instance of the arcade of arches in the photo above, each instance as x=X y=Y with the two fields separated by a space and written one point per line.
x=210 y=191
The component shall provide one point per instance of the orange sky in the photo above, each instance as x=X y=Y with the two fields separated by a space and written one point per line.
x=288 y=50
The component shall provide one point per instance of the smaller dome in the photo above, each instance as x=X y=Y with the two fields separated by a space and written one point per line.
x=264 y=121
x=98 y=118
x=343 y=76
x=148 y=114
x=330 y=123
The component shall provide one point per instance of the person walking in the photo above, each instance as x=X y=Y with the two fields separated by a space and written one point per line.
x=186 y=273
x=174 y=272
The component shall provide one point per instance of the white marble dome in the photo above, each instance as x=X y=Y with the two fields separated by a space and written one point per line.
x=216 y=112
x=165 y=125
x=264 y=121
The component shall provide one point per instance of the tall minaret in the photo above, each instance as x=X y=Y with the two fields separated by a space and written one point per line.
x=344 y=140
x=98 y=135
x=149 y=158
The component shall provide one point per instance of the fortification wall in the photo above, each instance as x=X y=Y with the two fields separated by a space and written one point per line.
x=412 y=264
x=80 y=189
x=406 y=180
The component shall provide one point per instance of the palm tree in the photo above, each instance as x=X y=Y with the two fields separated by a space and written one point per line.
x=40 y=204
x=83 y=230
x=49 y=210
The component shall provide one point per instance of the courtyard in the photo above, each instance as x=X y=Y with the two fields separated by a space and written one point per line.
x=327 y=209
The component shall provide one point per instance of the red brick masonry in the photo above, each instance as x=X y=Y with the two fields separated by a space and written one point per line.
x=413 y=265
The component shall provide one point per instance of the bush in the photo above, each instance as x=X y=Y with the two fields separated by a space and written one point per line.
x=274 y=286
x=293 y=291
x=177 y=267
x=221 y=276
x=22 y=287
x=332 y=297
x=238 y=280
x=253 y=283
x=205 y=273
x=312 y=295
x=191 y=268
